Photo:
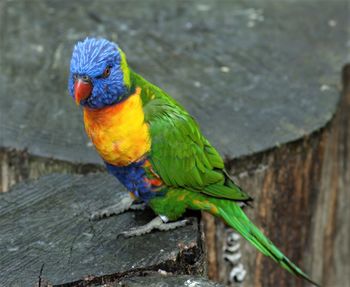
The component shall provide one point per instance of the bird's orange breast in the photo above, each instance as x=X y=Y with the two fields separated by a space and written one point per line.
x=119 y=132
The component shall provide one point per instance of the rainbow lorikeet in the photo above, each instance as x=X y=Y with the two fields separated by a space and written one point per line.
x=153 y=146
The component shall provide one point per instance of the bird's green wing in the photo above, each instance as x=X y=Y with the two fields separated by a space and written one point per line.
x=182 y=156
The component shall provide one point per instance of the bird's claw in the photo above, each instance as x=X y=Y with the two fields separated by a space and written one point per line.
x=124 y=205
x=138 y=206
x=156 y=223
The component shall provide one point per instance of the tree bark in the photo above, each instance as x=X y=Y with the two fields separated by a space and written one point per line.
x=17 y=166
x=301 y=202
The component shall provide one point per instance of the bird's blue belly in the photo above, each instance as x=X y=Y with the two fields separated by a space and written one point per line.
x=133 y=177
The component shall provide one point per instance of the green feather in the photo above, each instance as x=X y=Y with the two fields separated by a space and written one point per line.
x=180 y=154
x=222 y=191
x=194 y=173
x=234 y=216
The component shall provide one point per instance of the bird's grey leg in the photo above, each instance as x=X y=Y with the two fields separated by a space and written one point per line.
x=125 y=204
x=138 y=206
x=160 y=223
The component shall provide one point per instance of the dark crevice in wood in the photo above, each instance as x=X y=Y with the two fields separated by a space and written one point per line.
x=188 y=262
x=53 y=227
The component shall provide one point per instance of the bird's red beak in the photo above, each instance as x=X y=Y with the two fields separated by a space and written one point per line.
x=82 y=90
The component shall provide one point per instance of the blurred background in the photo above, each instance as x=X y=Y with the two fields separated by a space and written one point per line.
x=267 y=82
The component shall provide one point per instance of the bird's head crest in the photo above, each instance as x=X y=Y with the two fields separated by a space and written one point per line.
x=99 y=75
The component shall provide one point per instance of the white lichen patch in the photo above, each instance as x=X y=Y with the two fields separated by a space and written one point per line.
x=254 y=17
x=197 y=84
x=324 y=88
x=225 y=69
x=203 y=7
x=233 y=255
x=332 y=23
x=191 y=283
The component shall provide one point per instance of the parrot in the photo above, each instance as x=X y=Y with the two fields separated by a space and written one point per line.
x=156 y=149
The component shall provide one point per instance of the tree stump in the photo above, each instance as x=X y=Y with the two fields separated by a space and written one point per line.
x=47 y=236
x=261 y=78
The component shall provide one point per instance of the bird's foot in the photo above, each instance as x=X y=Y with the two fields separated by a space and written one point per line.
x=124 y=205
x=157 y=223
x=138 y=206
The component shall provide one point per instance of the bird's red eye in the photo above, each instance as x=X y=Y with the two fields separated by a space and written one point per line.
x=106 y=72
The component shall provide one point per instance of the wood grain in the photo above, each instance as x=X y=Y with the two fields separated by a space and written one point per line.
x=261 y=78
x=301 y=203
x=45 y=225
x=255 y=75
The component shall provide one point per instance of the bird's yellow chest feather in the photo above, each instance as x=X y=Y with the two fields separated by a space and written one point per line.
x=119 y=132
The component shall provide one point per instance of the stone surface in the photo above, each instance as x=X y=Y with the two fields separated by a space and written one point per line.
x=45 y=225
x=255 y=74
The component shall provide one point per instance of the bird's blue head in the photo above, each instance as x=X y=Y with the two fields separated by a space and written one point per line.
x=99 y=75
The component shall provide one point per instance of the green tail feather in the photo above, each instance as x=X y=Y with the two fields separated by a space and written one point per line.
x=234 y=216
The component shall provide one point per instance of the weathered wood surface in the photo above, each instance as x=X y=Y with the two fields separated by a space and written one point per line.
x=302 y=201
x=45 y=225
x=165 y=281
x=255 y=74
x=261 y=78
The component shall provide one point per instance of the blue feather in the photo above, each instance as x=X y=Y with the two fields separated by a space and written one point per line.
x=133 y=177
x=90 y=58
